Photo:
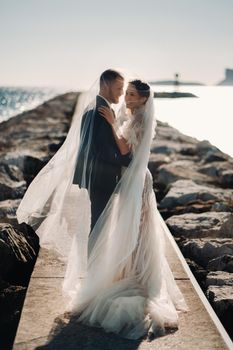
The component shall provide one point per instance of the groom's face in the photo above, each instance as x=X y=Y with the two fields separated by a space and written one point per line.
x=115 y=90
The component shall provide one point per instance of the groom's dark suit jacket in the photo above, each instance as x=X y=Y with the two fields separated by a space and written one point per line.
x=104 y=160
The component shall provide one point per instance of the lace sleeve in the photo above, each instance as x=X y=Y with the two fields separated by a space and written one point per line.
x=134 y=134
x=124 y=130
x=132 y=130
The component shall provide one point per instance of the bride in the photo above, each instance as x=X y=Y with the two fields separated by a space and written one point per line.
x=123 y=283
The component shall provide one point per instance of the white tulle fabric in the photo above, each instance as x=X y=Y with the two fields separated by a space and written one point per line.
x=118 y=278
x=129 y=288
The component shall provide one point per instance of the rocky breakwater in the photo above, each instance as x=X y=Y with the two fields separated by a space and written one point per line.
x=193 y=182
x=27 y=142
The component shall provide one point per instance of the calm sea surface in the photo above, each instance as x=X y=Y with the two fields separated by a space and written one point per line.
x=208 y=117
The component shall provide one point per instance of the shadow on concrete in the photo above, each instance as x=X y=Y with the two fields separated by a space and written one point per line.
x=73 y=335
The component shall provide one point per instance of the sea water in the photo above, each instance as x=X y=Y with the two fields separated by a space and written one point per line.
x=207 y=117
x=15 y=100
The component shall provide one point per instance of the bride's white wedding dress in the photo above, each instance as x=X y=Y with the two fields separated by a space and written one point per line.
x=142 y=295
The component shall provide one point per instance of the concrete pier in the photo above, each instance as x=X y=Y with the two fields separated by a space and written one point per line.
x=44 y=326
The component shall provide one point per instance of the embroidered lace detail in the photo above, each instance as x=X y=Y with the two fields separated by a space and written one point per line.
x=132 y=129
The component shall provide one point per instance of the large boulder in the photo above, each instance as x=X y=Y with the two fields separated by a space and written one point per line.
x=10 y=189
x=11 y=301
x=157 y=159
x=167 y=147
x=221 y=263
x=219 y=278
x=178 y=170
x=11 y=171
x=185 y=196
x=28 y=165
x=221 y=172
x=196 y=225
x=221 y=299
x=18 y=251
x=165 y=132
x=209 y=153
x=226 y=178
x=8 y=211
x=19 y=248
x=202 y=250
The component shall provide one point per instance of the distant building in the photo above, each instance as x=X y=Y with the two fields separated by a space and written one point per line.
x=176 y=82
x=228 y=77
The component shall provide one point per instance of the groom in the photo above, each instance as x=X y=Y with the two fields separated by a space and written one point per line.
x=99 y=160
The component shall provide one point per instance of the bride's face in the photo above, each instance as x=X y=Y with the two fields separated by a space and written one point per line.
x=132 y=98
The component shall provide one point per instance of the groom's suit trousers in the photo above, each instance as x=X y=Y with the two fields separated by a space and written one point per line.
x=99 y=201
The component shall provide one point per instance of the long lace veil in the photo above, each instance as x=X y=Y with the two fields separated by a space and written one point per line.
x=55 y=207
x=60 y=210
x=115 y=235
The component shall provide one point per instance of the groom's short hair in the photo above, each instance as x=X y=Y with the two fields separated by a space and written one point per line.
x=110 y=75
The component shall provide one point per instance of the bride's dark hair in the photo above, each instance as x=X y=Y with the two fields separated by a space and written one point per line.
x=142 y=88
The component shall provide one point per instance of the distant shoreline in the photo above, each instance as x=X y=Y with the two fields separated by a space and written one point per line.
x=175 y=83
x=173 y=94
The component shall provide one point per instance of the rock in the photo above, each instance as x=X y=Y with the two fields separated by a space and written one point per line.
x=165 y=132
x=185 y=194
x=208 y=153
x=221 y=299
x=11 y=302
x=224 y=207
x=198 y=272
x=167 y=147
x=219 y=278
x=214 y=155
x=10 y=189
x=28 y=132
x=170 y=142
x=209 y=224
x=28 y=165
x=27 y=146
x=205 y=148
x=188 y=150
x=157 y=159
x=211 y=169
x=226 y=178
x=8 y=211
x=18 y=252
x=222 y=173
x=222 y=263
x=202 y=250
x=178 y=170
x=19 y=248
x=11 y=171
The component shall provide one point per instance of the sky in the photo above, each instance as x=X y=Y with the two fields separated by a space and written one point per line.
x=68 y=43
